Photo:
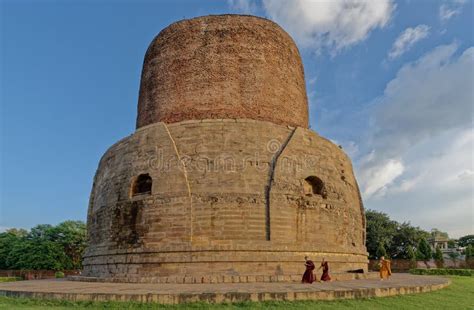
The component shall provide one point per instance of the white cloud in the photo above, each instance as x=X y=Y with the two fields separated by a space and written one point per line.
x=378 y=177
x=425 y=98
x=436 y=190
x=450 y=9
x=331 y=25
x=418 y=164
x=407 y=39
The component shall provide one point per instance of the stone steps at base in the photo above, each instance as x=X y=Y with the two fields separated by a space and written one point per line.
x=198 y=279
x=62 y=289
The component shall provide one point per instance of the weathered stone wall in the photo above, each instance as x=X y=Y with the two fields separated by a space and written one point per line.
x=229 y=200
x=226 y=66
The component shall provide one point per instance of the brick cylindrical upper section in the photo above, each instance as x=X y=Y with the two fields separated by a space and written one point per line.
x=225 y=66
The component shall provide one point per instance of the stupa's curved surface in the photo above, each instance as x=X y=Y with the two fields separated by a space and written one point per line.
x=223 y=181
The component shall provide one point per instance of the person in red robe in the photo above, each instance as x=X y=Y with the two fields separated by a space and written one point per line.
x=325 y=266
x=308 y=276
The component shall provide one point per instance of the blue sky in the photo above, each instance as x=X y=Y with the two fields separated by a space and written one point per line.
x=391 y=81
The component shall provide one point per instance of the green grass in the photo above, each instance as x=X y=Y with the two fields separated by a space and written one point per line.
x=9 y=279
x=444 y=271
x=459 y=295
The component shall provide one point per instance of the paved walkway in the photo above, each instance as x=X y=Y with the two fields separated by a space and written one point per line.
x=228 y=292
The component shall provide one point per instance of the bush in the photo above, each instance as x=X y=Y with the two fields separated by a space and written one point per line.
x=59 y=275
x=443 y=272
x=411 y=257
x=9 y=279
x=438 y=256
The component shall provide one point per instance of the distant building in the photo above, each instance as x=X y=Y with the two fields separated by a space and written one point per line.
x=439 y=239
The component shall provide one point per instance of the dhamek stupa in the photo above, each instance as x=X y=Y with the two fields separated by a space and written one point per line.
x=222 y=180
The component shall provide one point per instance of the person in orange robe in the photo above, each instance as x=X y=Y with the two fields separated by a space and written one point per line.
x=308 y=276
x=385 y=271
x=325 y=276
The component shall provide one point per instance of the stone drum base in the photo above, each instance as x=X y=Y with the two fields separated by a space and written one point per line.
x=399 y=284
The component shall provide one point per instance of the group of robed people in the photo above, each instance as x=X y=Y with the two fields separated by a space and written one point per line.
x=308 y=276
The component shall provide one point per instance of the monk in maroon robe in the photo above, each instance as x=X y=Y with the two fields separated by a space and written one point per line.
x=325 y=266
x=308 y=276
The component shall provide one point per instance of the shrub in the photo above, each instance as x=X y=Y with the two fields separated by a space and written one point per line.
x=438 y=256
x=9 y=279
x=469 y=252
x=443 y=272
x=59 y=274
x=411 y=257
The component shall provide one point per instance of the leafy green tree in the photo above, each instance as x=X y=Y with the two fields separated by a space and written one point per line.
x=44 y=247
x=42 y=254
x=381 y=251
x=423 y=252
x=466 y=240
x=451 y=244
x=438 y=257
x=8 y=240
x=72 y=236
x=411 y=257
x=469 y=252
x=380 y=230
x=396 y=238
x=405 y=237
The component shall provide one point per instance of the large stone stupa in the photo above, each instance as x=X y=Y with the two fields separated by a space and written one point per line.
x=222 y=180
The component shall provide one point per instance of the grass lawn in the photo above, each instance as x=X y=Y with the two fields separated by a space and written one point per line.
x=459 y=295
x=9 y=279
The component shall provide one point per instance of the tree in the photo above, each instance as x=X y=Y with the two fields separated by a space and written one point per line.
x=405 y=237
x=36 y=255
x=466 y=240
x=8 y=240
x=72 y=236
x=396 y=238
x=423 y=251
x=44 y=247
x=438 y=257
x=469 y=251
x=380 y=231
x=451 y=244
x=411 y=256
x=381 y=251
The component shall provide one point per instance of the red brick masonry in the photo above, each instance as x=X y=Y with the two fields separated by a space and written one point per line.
x=225 y=66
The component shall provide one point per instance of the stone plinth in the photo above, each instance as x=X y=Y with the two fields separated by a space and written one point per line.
x=399 y=284
x=228 y=198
